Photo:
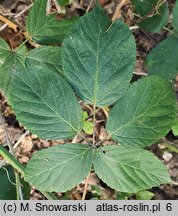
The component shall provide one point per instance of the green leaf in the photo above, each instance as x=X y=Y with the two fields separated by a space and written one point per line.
x=4 y=50
x=7 y=186
x=45 y=55
x=44 y=102
x=175 y=17
x=145 y=114
x=144 y=195
x=154 y=14
x=175 y=128
x=144 y=7
x=128 y=169
x=163 y=59
x=63 y=2
x=12 y=61
x=46 y=29
x=59 y=168
x=157 y=21
x=87 y=126
x=99 y=58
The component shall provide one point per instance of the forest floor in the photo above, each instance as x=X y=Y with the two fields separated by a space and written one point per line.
x=16 y=11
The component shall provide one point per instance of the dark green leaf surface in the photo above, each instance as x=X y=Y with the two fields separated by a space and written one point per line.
x=59 y=168
x=99 y=58
x=175 y=17
x=145 y=114
x=11 y=62
x=156 y=22
x=7 y=185
x=144 y=7
x=4 y=50
x=45 y=55
x=154 y=14
x=129 y=169
x=163 y=59
x=46 y=29
x=44 y=102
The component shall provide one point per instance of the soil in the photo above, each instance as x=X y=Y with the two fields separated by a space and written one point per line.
x=30 y=143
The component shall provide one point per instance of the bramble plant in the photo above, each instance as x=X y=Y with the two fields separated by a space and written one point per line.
x=95 y=64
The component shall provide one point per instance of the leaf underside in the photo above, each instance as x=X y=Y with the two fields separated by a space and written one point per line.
x=59 y=168
x=129 y=169
x=145 y=114
x=44 y=102
x=99 y=58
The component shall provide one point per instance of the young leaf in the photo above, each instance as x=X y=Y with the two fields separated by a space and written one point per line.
x=59 y=168
x=175 y=17
x=128 y=169
x=63 y=2
x=144 y=195
x=12 y=61
x=87 y=126
x=46 y=29
x=175 y=128
x=99 y=58
x=48 y=55
x=145 y=114
x=4 y=50
x=163 y=59
x=44 y=102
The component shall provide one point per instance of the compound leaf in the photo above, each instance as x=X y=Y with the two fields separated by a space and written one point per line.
x=99 y=58
x=48 y=55
x=145 y=114
x=129 y=169
x=46 y=29
x=175 y=17
x=59 y=168
x=163 y=59
x=44 y=102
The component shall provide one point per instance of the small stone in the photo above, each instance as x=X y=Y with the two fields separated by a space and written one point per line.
x=45 y=143
x=26 y=145
x=34 y=136
x=167 y=156
x=24 y=159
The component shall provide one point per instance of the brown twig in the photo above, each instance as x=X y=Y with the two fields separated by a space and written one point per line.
x=117 y=12
x=20 y=139
x=11 y=24
x=8 y=23
x=89 y=6
x=85 y=188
